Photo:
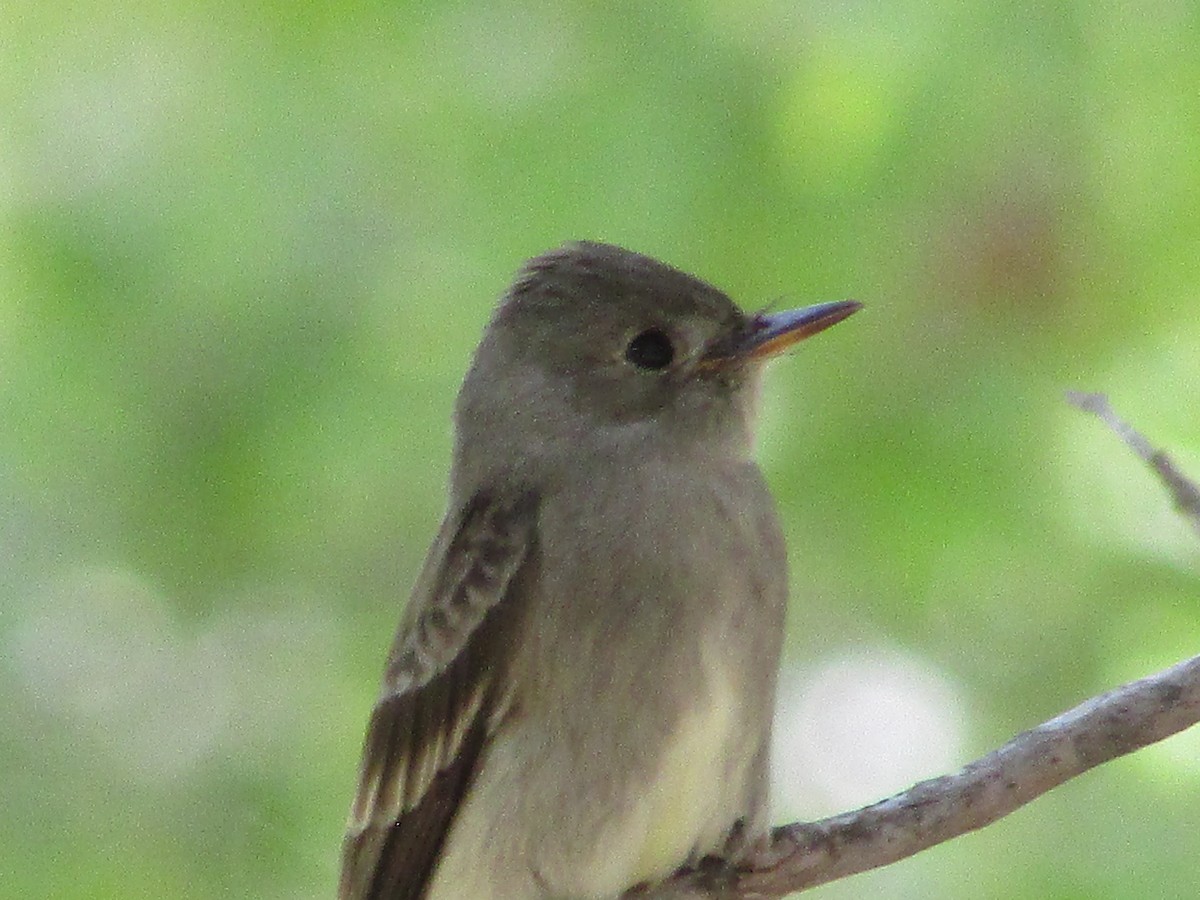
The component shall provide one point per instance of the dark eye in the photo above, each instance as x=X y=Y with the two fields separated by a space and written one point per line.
x=650 y=350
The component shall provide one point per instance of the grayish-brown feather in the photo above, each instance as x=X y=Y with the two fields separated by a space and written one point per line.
x=435 y=694
x=579 y=696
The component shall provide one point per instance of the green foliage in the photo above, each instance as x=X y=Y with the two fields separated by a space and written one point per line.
x=245 y=254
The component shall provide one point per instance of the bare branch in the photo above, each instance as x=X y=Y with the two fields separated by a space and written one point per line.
x=1184 y=492
x=803 y=855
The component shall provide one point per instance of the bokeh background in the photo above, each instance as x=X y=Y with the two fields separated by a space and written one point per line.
x=245 y=253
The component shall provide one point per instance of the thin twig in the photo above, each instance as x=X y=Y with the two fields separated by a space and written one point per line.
x=1184 y=492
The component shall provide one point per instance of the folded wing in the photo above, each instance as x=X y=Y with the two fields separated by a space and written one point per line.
x=445 y=690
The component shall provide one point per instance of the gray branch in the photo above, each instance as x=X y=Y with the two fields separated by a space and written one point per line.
x=1184 y=492
x=803 y=855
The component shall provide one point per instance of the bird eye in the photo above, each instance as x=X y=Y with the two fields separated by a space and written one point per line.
x=650 y=350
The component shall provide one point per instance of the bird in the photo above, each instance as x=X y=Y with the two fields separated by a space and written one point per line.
x=578 y=699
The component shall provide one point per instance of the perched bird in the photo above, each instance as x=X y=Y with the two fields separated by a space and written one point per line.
x=579 y=696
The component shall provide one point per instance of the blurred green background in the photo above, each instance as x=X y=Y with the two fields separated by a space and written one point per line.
x=246 y=251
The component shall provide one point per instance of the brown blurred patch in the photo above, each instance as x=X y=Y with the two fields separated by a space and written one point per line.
x=1003 y=250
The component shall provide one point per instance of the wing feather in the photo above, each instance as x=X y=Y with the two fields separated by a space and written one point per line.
x=445 y=688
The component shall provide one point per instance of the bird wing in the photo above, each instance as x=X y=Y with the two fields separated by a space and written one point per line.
x=445 y=689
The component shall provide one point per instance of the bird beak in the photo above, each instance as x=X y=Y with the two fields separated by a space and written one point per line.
x=774 y=333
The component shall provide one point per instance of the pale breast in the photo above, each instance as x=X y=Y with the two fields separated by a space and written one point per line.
x=700 y=788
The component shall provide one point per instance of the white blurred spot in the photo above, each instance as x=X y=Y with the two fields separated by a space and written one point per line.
x=101 y=652
x=510 y=54
x=859 y=728
x=97 y=120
